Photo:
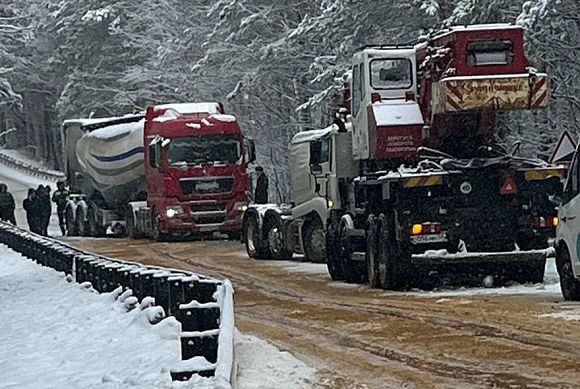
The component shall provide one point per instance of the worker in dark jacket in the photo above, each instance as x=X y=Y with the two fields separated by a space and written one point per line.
x=45 y=207
x=32 y=207
x=7 y=205
x=261 y=192
x=60 y=197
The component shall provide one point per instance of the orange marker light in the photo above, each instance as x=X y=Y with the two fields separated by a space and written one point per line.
x=555 y=221
x=417 y=229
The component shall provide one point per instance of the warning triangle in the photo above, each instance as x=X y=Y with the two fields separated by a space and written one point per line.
x=564 y=149
x=508 y=187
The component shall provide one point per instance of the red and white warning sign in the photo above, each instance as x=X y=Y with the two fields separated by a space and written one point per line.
x=564 y=149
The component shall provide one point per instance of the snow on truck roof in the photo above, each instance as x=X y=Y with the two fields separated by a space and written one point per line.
x=185 y=108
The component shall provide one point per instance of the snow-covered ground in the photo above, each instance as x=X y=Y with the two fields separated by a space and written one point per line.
x=58 y=335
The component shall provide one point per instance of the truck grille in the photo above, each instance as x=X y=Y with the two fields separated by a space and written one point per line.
x=204 y=213
x=206 y=185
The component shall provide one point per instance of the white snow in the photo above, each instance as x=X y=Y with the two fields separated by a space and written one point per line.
x=57 y=335
x=568 y=312
x=116 y=130
x=20 y=157
x=185 y=108
x=223 y=117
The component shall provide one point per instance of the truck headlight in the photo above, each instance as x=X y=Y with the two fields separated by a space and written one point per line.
x=241 y=206
x=173 y=211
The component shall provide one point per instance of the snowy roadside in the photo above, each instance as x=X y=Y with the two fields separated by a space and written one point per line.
x=57 y=335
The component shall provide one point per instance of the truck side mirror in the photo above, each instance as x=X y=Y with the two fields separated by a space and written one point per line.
x=251 y=150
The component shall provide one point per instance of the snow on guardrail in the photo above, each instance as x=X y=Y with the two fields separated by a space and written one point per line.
x=29 y=168
x=203 y=305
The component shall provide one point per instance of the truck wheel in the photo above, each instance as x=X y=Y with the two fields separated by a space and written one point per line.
x=371 y=254
x=256 y=247
x=568 y=283
x=95 y=230
x=314 y=241
x=81 y=222
x=70 y=222
x=390 y=267
x=333 y=262
x=354 y=272
x=130 y=225
x=156 y=233
x=275 y=240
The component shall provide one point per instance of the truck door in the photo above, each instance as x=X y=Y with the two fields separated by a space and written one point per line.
x=320 y=164
x=569 y=214
x=359 y=112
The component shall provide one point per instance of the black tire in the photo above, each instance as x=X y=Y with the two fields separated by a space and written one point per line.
x=568 y=283
x=371 y=254
x=130 y=225
x=256 y=247
x=70 y=220
x=95 y=230
x=333 y=262
x=391 y=268
x=81 y=222
x=234 y=235
x=314 y=240
x=354 y=272
x=275 y=240
x=156 y=233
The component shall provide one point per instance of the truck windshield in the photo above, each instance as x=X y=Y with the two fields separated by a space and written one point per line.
x=496 y=52
x=204 y=149
x=391 y=74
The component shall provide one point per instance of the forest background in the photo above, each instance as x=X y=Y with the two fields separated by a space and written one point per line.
x=275 y=64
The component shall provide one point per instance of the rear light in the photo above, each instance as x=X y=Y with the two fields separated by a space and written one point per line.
x=545 y=222
x=409 y=96
x=426 y=229
x=375 y=98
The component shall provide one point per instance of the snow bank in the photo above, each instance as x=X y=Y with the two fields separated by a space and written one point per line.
x=56 y=335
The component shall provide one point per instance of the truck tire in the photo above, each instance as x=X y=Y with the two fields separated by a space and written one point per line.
x=391 y=268
x=256 y=247
x=314 y=240
x=130 y=225
x=333 y=262
x=156 y=233
x=95 y=230
x=568 y=283
x=354 y=272
x=275 y=240
x=81 y=221
x=70 y=219
x=371 y=254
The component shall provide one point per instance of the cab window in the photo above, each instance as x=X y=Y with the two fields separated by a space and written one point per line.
x=491 y=52
x=571 y=189
x=391 y=74
x=355 y=90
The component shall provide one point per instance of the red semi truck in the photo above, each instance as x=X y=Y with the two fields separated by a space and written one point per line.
x=178 y=170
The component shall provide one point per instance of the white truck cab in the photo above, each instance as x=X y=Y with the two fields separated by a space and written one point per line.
x=568 y=234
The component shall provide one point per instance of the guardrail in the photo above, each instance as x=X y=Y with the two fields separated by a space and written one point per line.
x=30 y=169
x=203 y=305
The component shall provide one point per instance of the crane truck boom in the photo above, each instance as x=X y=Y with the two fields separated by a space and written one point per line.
x=180 y=169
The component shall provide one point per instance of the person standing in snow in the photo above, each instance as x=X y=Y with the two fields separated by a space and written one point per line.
x=32 y=207
x=261 y=192
x=60 y=197
x=45 y=208
x=7 y=205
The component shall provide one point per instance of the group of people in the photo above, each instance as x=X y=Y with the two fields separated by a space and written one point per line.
x=38 y=207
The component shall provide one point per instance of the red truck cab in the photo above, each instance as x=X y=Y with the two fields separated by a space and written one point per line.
x=196 y=163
